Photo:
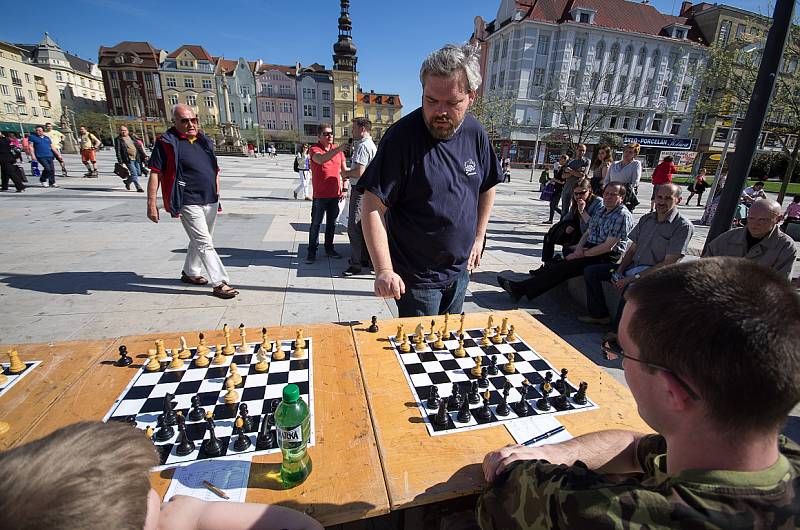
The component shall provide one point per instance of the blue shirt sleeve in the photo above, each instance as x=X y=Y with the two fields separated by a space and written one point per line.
x=385 y=176
x=157 y=158
x=493 y=174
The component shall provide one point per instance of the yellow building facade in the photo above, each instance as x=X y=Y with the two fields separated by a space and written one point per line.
x=187 y=77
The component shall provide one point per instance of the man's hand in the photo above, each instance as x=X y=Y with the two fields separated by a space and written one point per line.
x=581 y=203
x=496 y=462
x=577 y=254
x=152 y=211
x=389 y=284
x=474 y=260
x=623 y=282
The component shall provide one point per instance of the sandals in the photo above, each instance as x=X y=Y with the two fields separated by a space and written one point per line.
x=220 y=291
x=611 y=347
x=195 y=280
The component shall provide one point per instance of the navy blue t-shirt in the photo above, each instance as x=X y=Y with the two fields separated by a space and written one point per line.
x=430 y=188
x=197 y=170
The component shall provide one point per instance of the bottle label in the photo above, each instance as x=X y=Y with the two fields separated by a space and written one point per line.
x=291 y=436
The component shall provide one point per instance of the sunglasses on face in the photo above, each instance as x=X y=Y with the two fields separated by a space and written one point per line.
x=327 y=134
x=187 y=121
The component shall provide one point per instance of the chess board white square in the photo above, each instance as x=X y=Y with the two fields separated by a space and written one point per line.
x=194 y=374
x=296 y=376
x=421 y=379
x=163 y=389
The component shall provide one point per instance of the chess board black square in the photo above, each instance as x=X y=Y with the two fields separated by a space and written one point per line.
x=244 y=380
x=439 y=377
x=277 y=378
x=217 y=372
x=426 y=356
x=450 y=364
x=450 y=425
x=541 y=365
x=298 y=364
x=303 y=387
x=153 y=405
x=252 y=369
x=474 y=333
x=196 y=430
x=187 y=387
x=225 y=411
x=415 y=368
x=171 y=377
x=470 y=343
x=253 y=394
x=242 y=359
x=490 y=419
x=139 y=392
x=223 y=440
x=208 y=398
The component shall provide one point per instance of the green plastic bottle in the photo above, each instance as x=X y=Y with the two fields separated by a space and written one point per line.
x=294 y=430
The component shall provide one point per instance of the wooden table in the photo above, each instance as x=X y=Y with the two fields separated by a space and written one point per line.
x=421 y=469
x=63 y=363
x=347 y=481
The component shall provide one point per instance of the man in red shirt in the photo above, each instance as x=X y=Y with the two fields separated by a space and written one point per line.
x=327 y=165
x=662 y=174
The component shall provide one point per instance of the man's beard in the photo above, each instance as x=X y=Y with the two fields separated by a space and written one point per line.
x=440 y=134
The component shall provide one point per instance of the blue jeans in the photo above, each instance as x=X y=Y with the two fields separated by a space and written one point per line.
x=135 y=167
x=329 y=208
x=594 y=276
x=418 y=302
x=48 y=171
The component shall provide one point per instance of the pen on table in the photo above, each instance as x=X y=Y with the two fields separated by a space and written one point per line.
x=541 y=437
x=218 y=492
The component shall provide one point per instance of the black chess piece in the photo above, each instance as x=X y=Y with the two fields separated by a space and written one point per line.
x=463 y=413
x=543 y=403
x=503 y=408
x=561 y=384
x=185 y=446
x=242 y=441
x=522 y=408
x=373 y=327
x=493 y=365
x=483 y=382
x=245 y=414
x=164 y=432
x=548 y=380
x=169 y=410
x=212 y=446
x=484 y=413
x=474 y=396
x=433 y=398
x=264 y=439
x=580 y=395
x=455 y=399
x=441 y=414
x=197 y=413
x=124 y=358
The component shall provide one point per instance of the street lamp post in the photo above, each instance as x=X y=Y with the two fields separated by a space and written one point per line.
x=539 y=130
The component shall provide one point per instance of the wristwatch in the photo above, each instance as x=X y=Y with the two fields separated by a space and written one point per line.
x=637 y=276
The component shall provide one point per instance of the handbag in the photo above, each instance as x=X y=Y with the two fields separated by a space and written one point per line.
x=122 y=171
x=547 y=192
x=631 y=200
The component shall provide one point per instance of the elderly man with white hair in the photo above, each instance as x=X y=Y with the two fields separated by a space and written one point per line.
x=184 y=164
x=761 y=240
x=429 y=191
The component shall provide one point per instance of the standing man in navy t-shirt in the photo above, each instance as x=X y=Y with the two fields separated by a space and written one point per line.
x=429 y=191
x=43 y=151
x=184 y=164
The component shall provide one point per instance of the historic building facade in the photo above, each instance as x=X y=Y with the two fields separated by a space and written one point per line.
x=381 y=109
x=239 y=78
x=345 y=77
x=591 y=70
x=187 y=76
x=277 y=99
x=314 y=100
x=28 y=94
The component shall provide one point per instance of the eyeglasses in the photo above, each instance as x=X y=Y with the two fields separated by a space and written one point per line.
x=584 y=192
x=615 y=349
x=327 y=134
x=188 y=120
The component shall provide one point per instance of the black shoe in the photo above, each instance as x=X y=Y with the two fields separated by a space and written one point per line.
x=352 y=270
x=311 y=257
x=127 y=185
x=508 y=286
x=333 y=254
x=140 y=190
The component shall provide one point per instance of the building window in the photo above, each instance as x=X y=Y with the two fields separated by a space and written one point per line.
x=173 y=99
x=622 y=85
x=309 y=93
x=675 y=129
x=505 y=48
x=188 y=82
x=724 y=32
x=612 y=122
x=609 y=82
x=741 y=29
x=627 y=57
x=345 y=132
x=207 y=84
x=269 y=106
x=657 y=123
x=580 y=45
x=3 y=72
x=573 y=79
x=685 y=92
x=35 y=111
x=46 y=113
x=270 y=124
x=538 y=77
x=310 y=110
x=10 y=108
x=595 y=81
x=4 y=90
x=496 y=53
x=287 y=126
x=210 y=102
x=639 y=121
x=326 y=95
x=129 y=75
x=501 y=80
x=27 y=77
x=626 y=122
x=286 y=107
x=345 y=116
x=665 y=90
x=326 y=112
x=171 y=82
x=585 y=18
x=543 y=47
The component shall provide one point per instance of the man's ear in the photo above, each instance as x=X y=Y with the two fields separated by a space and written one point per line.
x=676 y=398
x=471 y=94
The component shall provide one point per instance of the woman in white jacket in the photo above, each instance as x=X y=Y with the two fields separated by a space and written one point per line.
x=301 y=161
x=627 y=171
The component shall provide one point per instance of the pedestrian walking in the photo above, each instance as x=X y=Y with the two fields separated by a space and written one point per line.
x=301 y=167
x=88 y=144
x=8 y=170
x=130 y=153
x=43 y=152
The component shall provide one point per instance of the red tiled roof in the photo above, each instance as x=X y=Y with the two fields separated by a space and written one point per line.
x=227 y=64
x=197 y=51
x=144 y=50
x=372 y=98
x=286 y=69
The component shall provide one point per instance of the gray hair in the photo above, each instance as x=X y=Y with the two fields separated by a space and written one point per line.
x=447 y=60
x=177 y=106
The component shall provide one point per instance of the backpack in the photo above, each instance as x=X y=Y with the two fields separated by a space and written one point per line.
x=296 y=166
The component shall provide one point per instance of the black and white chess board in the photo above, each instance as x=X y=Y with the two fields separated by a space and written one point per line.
x=12 y=379
x=142 y=401
x=428 y=366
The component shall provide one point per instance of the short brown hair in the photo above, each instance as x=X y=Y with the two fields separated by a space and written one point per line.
x=86 y=475
x=363 y=122
x=633 y=145
x=322 y=126
x=737 y=346
x=620 y=186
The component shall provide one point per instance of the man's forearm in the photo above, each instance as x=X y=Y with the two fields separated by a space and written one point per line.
x=321 y=158
x=372 y=222
x=612 y=451
x=627 y=258
x=602 y=248
x=152 y=187
x=485 y=203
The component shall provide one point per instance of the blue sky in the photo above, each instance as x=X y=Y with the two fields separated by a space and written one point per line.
x=392 y=41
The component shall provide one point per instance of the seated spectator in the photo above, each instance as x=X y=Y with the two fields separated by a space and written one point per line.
x=760 y=241
x=792 y=214
x=569 y=230
x=753 y=193
x=603 y=242
x=662 y=174
x=713 y=367
x=657 y=240
x=95 y=475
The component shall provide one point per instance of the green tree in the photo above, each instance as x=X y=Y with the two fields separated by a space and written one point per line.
x=95 y=122
x=496 y=114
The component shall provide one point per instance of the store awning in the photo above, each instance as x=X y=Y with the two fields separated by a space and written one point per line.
x=10 y=126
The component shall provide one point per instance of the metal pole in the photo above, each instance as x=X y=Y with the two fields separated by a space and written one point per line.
x=110 y=127
x=538 y=132
x=747 y=140
x=723 y=156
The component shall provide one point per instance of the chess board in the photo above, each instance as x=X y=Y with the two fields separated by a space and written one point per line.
x=427 y=367
x=142 y=401
x=12 y=379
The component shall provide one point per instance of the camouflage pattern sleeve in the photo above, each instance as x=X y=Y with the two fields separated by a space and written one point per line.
x=650 y=446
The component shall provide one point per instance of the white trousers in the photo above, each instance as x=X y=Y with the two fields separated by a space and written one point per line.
x=305 y=179
x=198 y=221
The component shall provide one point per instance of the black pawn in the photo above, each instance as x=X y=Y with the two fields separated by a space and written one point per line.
x=484 y=413
x=580 y=395
x=124 y=358
x=483 y=382
x=164 y=432
x=185 y=446
x=548 y=380
x=493 y=365
x=433 y=398
x=169 y=410
x=543 y=403
x=373 y=327
x=264 y=439
x=455 y=399
x=212 y=447
x=245 y=414
x=474 y=397
x=242 y=441
x=441 y=414
x=463 y=414
x=522 y=408
x=561 y=384
x=197 y=413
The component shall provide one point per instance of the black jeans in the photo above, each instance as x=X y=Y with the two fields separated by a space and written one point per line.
x=9 y=171
x=555 y=273
x=329 y=208
x=557 y=235
x=554 y=200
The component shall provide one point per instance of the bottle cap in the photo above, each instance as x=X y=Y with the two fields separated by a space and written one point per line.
x=291 y=393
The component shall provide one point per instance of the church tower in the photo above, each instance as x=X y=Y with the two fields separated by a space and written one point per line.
x=345 y=77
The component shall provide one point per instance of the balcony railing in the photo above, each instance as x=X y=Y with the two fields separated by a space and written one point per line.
x=41 y=87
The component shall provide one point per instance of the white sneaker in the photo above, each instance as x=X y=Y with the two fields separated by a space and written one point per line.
x=54 y=185
x=44 y=184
